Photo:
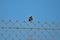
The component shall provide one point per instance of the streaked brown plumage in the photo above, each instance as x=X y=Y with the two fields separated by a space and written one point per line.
x=30 y=19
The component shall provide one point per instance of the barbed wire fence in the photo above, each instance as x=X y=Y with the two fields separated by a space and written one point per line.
x=16 y=30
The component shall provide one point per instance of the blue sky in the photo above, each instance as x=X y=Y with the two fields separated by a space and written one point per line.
x=42 y=10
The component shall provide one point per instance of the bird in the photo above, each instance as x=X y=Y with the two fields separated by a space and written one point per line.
x=30 y=19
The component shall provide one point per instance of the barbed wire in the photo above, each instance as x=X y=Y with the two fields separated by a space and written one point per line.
x=16 y=30
x=19 y=25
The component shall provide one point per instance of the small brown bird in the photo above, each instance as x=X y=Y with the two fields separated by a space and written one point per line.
x=30 y=19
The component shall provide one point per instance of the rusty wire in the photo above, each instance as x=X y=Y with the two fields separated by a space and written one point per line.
x=35 y=28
